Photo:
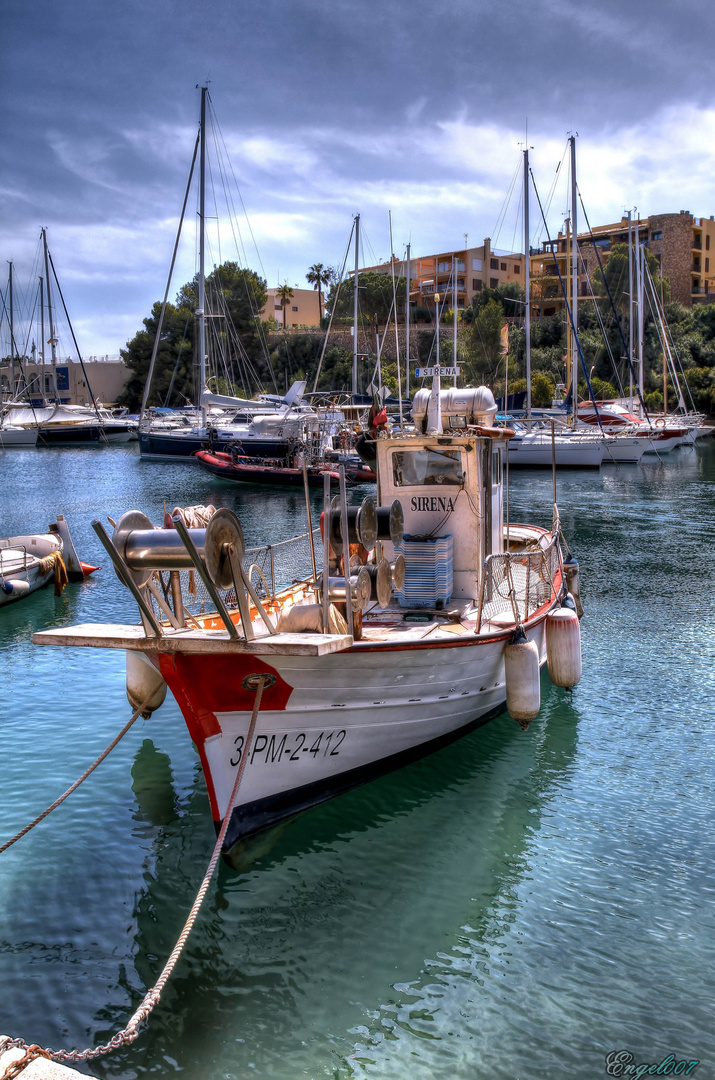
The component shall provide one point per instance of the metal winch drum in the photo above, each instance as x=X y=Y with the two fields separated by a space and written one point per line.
x=380 y=582
x=391 y=522
x=362 y=525
x=360 y=590
x=223 y=533
x=145 y=549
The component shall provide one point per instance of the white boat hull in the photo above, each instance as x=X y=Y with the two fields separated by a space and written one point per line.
x=17 y=438
x=341 y=719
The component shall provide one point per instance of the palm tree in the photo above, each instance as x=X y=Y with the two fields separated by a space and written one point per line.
x=285 y=293
x=319 y=275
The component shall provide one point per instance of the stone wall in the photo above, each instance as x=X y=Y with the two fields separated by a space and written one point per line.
x=676 y=251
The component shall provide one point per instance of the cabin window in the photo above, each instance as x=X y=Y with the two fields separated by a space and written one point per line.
x=416 y=468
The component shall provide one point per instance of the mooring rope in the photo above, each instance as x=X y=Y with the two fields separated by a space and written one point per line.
x=82 y=778
x=128 y=1034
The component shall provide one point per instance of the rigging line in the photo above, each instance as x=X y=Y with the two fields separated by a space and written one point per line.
x=517 y=219
x=602 y=326
x=615 y=310
x=238 y=191
x=74 y=339
x=332 y=310
x=552 y=189
x=222 y=153
x=176 y=365
x=505 y=203
x=157 y=338
x=26 y=387
x=660 y=321
x=570 y=314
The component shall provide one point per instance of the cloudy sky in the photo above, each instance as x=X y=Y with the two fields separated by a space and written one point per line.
x=329 y=108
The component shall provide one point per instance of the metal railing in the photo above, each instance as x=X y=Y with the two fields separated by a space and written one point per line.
x=517 y=583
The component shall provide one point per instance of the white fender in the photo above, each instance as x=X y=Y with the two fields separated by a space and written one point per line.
x=563 y=647
x=142 y=680
x=523 y=682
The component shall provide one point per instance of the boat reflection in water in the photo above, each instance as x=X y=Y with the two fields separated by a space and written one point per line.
x=371 y=903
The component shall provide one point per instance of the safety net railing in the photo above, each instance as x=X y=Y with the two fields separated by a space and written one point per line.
x=517 y=583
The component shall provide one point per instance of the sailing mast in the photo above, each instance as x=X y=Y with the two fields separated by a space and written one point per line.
x=355 y=305
x=454 y=299
x=527 y=289
x=202 y=229
x=53 y=339
x=641 y=307
x=407 y=324
x=12 y=332
x=630 y=307
x=42 y=335
x=574 y=285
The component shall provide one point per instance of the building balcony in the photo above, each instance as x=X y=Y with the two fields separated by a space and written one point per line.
x=697 y=243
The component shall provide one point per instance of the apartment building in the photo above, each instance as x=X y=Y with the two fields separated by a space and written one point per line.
x=684 y=246
x=477 y=268
x=302 y=308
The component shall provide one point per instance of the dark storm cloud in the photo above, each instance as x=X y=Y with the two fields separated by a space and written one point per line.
x=100 y=109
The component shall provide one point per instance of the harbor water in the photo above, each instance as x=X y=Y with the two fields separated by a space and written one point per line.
x=518 y=905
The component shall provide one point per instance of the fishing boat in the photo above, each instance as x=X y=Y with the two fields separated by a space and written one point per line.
x=422 y=615
x=245 y=470
x=30 y=562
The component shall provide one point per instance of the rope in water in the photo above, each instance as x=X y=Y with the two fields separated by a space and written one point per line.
x=128 y=1034
x=73 y=787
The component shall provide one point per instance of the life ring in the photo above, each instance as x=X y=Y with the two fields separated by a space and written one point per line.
x=660 y=422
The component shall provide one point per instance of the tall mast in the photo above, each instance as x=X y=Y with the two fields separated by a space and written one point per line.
x=641 y=308
x=53 y=339
x=201 y=312
x=527 y=288
x=630 y=306
x=454 y=300
x=355 y=304
x=12 y=332
x=42 y=335
x=574 y=283
x=407 y=324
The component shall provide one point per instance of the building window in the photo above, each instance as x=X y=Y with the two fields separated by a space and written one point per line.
x=476 y=285
x=656 y=235
x=493 y=283
x=279 y=308
x=503 y=266
x=493 y=264
x=707 y=241
x=707 y=286
x=476 y=264
x=295 y=309
x=460 y=266
x=517 y=269
x=707 y=266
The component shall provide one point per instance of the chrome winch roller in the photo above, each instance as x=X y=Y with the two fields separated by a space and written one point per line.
x=145 y=549
x=360 y=589
x=223 y=539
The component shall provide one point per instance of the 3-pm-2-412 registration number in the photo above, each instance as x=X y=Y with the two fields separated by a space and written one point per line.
x=271 y=749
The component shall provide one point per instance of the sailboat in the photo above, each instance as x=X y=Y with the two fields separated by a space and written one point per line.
x=264 y=429
x=56 y=423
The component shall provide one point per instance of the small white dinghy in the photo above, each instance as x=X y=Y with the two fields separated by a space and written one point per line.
x=27 y=563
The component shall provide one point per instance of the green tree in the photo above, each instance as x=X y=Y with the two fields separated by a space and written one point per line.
x=483 y=348
x=374 y=296
x=285 y=295
x=319 y=275
x=236 y=294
